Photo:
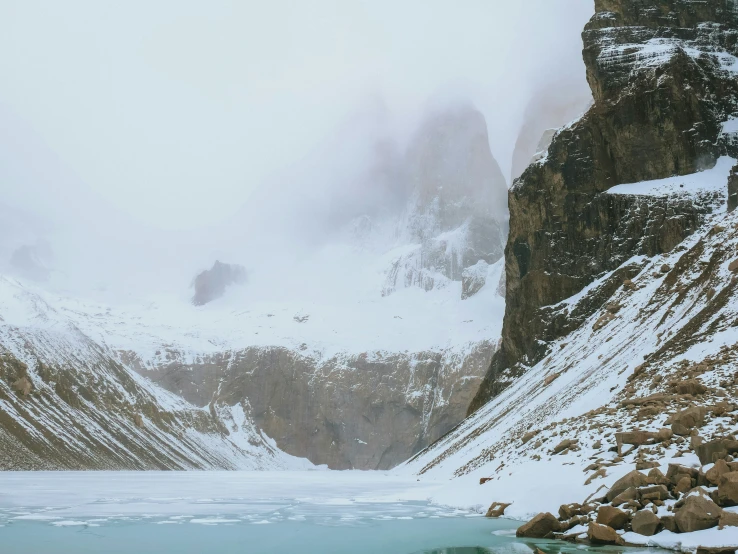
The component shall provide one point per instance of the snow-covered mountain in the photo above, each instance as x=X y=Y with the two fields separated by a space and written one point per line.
x=611 y=401
x=67 y=403
x=365 y=312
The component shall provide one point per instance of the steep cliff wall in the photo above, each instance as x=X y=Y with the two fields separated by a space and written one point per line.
x=366 y=411
x=663 y=77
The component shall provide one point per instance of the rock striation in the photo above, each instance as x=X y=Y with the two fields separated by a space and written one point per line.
x=644 y=125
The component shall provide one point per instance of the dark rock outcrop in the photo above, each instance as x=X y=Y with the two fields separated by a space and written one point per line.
x=212 y=283
x=645 y=124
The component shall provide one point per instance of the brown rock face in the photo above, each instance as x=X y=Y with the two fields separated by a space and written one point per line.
x=347 y=411
x=633 y=479
x=645 y=124
x=602 y=534
x=646 y=523
x=497 y=509
x=676 y=473
x=683 y=422
x=540 y=527
x=612 y=517
x=728 y=519
x=728 y=489
x=714 y=474
x=697 y=513
x=712 y=451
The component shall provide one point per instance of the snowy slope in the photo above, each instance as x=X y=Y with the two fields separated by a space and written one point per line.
x=674 y=322
x=65 y=402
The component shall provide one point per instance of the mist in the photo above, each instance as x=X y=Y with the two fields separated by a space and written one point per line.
x=139 y=142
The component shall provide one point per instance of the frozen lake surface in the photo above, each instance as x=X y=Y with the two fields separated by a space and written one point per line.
x=245 y=512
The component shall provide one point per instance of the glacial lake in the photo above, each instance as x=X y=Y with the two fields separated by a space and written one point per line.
x=241 y=512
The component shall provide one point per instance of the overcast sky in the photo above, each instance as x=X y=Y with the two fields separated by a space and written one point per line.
x=174 y=111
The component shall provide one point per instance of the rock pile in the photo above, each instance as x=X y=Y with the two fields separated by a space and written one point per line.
x=684 y=500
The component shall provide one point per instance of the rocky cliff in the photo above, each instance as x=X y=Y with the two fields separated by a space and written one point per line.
x=663 y=78
x=368 y=411
x=358 y=351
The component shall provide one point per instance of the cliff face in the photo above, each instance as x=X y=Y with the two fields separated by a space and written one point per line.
x=368 y=411
x=663 y=78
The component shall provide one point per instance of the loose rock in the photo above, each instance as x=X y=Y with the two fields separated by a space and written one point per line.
x=544 y=525
x=697 y=513
x=497 y=509
x=612 y=517
x=602 y=534
x=646 y=523
x=632 y=479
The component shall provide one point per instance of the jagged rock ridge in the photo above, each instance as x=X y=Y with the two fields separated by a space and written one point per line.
x=457 y=199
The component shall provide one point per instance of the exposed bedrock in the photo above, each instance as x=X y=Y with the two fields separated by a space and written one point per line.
x=366 y=411
x=663 y=77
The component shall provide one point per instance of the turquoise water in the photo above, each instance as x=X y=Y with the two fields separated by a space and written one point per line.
x=457 y=535
x=243 y=512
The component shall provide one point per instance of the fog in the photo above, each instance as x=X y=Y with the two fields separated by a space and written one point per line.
x=140 y=141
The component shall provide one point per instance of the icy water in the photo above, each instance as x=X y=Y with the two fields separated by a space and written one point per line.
x=240 y=512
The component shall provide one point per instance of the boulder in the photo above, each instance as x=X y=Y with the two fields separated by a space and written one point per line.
x=728 y=519
x=612 y=517
x=712 y=451
x=655 y=477
x=564 y=445
x=691 y=386
x=646 y=523
x=676 y=472
x=654 y=492
x=669 y=523
x=573 y=522
x=728 y=489
x=684 y=421
x=602 y=534
x=714 y=474
x=138 y=420
x=625 y=496
x=632 y=479
x=684 y=485
x=697 y=513
x=497 y=509
x=544 y=525
x=637 y=438
x=568 y=511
